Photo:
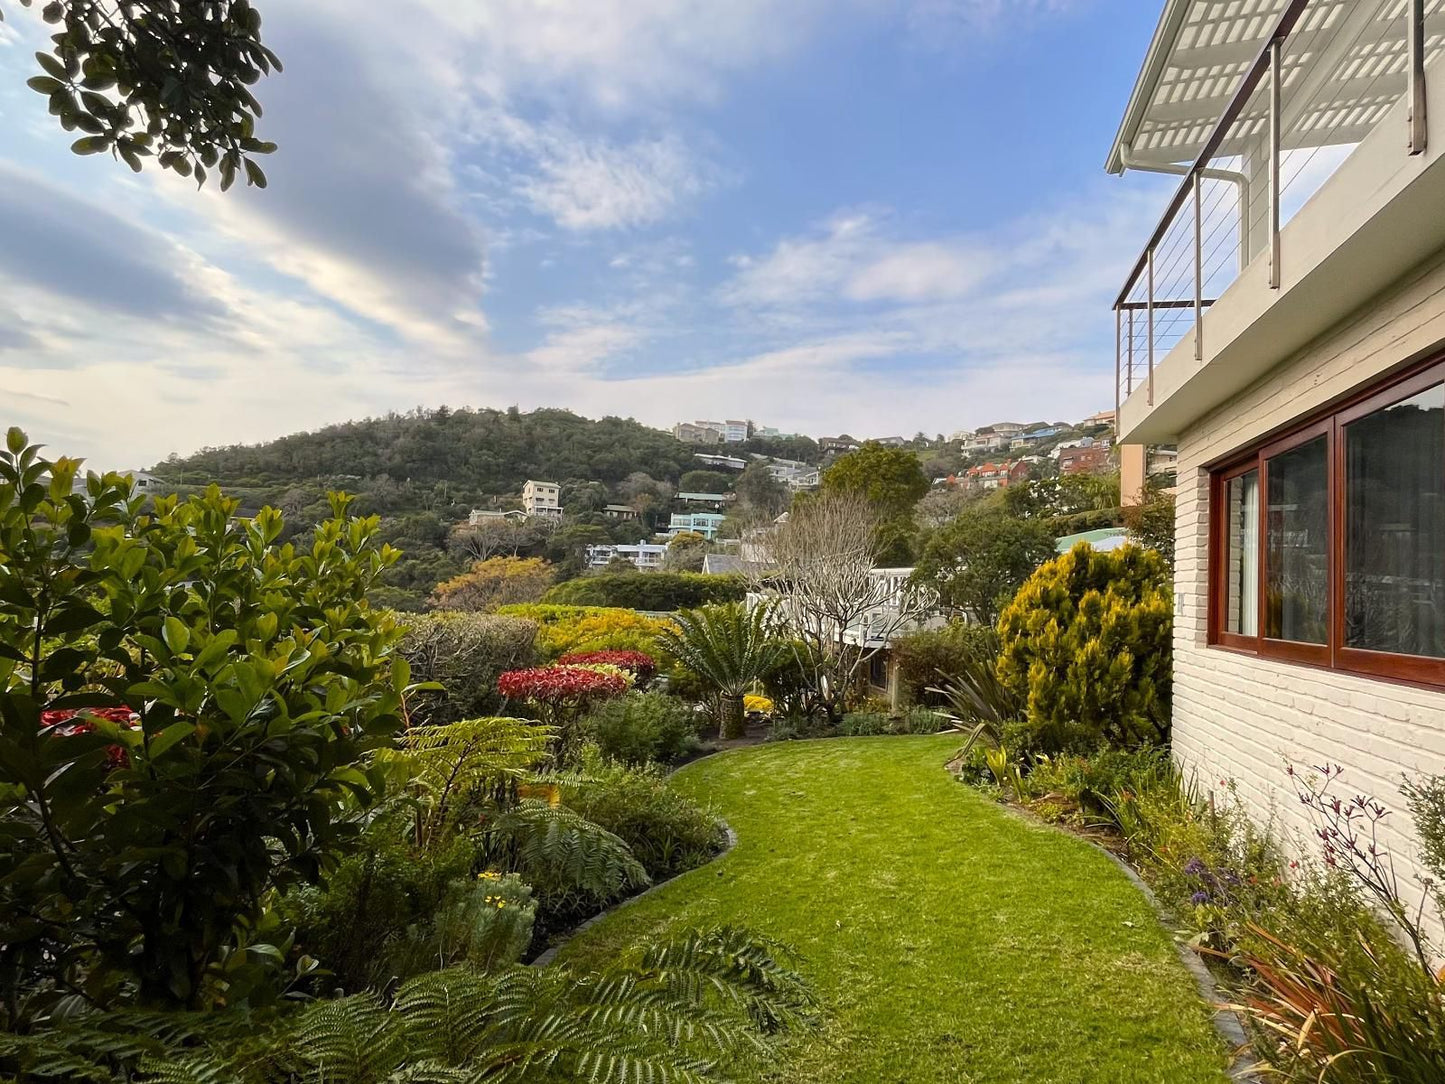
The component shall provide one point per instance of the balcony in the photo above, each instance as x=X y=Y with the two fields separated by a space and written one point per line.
x=1306 y=150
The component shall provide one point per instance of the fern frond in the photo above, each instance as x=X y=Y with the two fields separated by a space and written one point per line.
x=449 y=1015
x=735 y=967
x=352 y=1039
x=559 y=852
x=446 y=763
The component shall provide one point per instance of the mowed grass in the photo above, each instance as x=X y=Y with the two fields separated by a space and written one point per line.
x=947 y=939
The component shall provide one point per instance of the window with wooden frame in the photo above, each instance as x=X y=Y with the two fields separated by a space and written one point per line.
x=1327 y=543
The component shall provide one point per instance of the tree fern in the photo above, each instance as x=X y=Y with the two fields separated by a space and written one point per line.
x=447 y=763
x=560 y=853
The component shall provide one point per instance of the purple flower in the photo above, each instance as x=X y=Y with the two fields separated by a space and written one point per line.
x=1199 y=899
x=1194 y=867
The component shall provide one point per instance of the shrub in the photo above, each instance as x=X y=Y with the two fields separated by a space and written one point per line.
x=754 y=704
x=259 y=681
x=639 y=664
x=497 y=581
x=926 y=656
x=642 y=727
x=920 y=720
x=862 y=723
x=465 y=653
x=1087 y=641
x=560 y=694
x=667 y=832
x=655 y=591
x=568 y=629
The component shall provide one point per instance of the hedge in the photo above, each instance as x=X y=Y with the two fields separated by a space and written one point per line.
x=661 y=592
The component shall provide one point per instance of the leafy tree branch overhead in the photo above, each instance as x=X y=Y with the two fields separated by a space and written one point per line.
x=162 y=79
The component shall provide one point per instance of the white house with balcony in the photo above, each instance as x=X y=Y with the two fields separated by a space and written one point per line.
x=646 y=556
x=542 y=499
x=706 y=524
x=1284 y=329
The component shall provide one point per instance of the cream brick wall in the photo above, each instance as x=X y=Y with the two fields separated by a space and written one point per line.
x=1241 y=718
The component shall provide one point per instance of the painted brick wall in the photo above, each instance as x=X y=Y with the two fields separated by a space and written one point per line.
x=1240 y=718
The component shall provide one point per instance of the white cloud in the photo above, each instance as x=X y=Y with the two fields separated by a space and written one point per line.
x=591 y=184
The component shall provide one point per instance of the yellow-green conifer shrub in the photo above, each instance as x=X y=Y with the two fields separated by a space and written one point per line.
x=1087 y=641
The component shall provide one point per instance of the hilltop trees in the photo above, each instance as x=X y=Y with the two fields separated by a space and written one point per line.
x=487 y=452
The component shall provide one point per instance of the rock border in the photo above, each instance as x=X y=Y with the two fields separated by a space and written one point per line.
x=547 y=957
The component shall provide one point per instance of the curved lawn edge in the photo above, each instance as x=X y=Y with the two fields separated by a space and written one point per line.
x=582 y=927
x=949 y=940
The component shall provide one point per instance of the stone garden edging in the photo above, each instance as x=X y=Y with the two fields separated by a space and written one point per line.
x=551 y=954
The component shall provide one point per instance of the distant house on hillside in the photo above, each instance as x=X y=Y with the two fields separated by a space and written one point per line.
x=837 y=445
x=1085 y=460
x=714 y=501
x=985 y=440
x=541 y=499
x=998 y=475
x=721 y=462
x=619 y=511
x=703 y=523
x=889 y=442
x=795 y=475
x=732 y=431
x=644 y=555
x=696 y=433
x=478 y=516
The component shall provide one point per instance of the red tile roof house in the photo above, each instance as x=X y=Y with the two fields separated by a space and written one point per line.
x=1284 y=327
x=996 y=475
x=1084 y=460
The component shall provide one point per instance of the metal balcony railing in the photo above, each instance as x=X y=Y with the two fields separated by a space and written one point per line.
x=1323 y=78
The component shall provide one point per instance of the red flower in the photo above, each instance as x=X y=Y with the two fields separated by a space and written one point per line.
x=560 y=684
x=637 y=663
x=61 y=720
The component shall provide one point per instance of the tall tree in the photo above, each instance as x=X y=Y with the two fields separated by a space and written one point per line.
x=760 y=493
x=978 y=562
x=890 y=479
x=168 y=79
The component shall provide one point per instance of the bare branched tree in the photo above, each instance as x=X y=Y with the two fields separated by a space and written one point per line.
x=497 y=537
x=821 y=566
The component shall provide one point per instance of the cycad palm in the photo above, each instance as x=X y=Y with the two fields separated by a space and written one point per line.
x=729 y=646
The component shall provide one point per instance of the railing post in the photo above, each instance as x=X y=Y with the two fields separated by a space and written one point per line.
x=1118 y=362
x=1274 y=142
x=1198 y=268
x=1150 y=397
x=1415 y=49
x=1129 y=373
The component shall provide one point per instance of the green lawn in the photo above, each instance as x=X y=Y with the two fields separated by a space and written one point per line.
x=947 y=940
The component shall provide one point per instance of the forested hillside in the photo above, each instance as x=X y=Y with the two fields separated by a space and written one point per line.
x=482 y=451
x=423 y=471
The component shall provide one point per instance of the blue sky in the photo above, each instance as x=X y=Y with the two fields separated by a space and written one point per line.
x=876 y=216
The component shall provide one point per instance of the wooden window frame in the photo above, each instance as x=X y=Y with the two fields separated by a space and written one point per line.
x=1329 y=423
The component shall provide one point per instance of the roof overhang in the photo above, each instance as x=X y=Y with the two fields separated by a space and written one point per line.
x=1344 y=65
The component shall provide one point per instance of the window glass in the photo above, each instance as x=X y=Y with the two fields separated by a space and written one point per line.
x=1395 y=527
x=1297 y=553
x=1242 y=605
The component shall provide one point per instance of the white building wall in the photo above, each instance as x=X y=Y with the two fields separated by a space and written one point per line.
x=1240 y=718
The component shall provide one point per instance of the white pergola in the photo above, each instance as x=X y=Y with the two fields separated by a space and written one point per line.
x=1342 y=67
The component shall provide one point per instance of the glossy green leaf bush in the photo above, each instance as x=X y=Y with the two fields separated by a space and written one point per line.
x=258 y=682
